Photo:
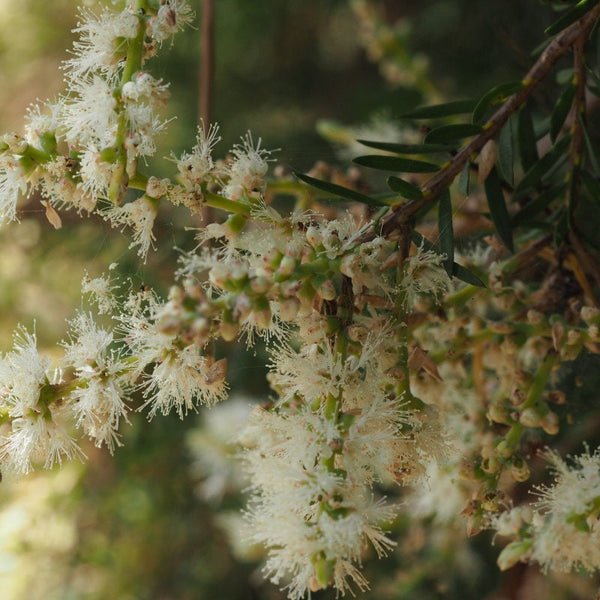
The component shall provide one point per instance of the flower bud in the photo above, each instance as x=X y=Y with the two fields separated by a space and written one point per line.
x=327 y=290
x=590 y=314
x=519 y=469
x=288 y=309
x=513 y=553
x=550 y=423
x=530 y=417
x=287 y=266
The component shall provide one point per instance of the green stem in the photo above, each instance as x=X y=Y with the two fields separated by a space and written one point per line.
x=133 y=63
x=215 y=201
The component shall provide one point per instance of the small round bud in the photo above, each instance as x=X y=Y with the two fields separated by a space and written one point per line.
x=519 y=469
x=550 y=423
x=530 y=417
x=288 y=309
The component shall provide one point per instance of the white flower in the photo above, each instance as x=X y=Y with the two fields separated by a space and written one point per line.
x=96 y=50
x=181 y=376
x=172 y=16
x=90 y=117
x=98 y=398
x=23 y=372
x=36 y=434
x=196 y=167
x=247 y=170
x=101 y=291
x=36 y=437
x=13 y=184
x=139 y=215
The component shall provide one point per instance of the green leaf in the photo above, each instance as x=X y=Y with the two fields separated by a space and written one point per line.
x=505 y=151
x=592 y=185
x=339 y=191
x=463 y=180
x=534 y=175
x=449 y=133
x=498 y=210
x=561 y=110
x=435 y=111
x=405 y=189
x=592 y=151
x=495 y=96
x=406 y=148
x=396 y=163
x=446 y=231
x=526 y=139
x=465 y=275
x=537 y=205
x=570 y=16
x=459 y=271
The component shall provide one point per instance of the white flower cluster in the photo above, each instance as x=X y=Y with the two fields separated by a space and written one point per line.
x=336 y=431
x=561 y=531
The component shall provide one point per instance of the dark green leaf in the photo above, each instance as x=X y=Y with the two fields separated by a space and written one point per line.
x=405 y=189
x=592 y=151
x=592 y=185
x=526 y=139
x=570 y=16
x=561 y=110
x=460 y=272
x=463 y=180
x=396 y=163
x=407 y=148
x=436 y=111
x=534 y=175
x=449 y=133
x=505 y=151
x=339 y=191
x=446 y=231
x=495 y=96
x=498 y=211
x=465 y=275
x=537 y=205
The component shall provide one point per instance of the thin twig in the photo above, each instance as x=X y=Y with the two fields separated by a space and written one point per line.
x=207 y=63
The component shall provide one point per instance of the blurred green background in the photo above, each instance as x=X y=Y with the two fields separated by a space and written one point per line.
x=134 y=526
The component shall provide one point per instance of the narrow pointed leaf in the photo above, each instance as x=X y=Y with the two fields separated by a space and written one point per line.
x=505 y=152
x=396 y=163
x=405 y=189
x=450 y=133
x=446 y=231
x=460 y=272
x=406 y=148
x=592 y=185
x=435 y=111
x=570 y=16
x=543 y=165
x=339 y=191
x=561 y=110
x=592 y=151
x=465 y=275
x=495 y=96
x=464 y=179
x=526 y=139
x=498 y=210
x=537 y=205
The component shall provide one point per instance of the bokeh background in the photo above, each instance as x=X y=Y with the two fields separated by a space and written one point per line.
x=301 y=74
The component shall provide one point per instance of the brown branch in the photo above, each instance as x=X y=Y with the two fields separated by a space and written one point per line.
x=207 y=63
x=560 y=45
